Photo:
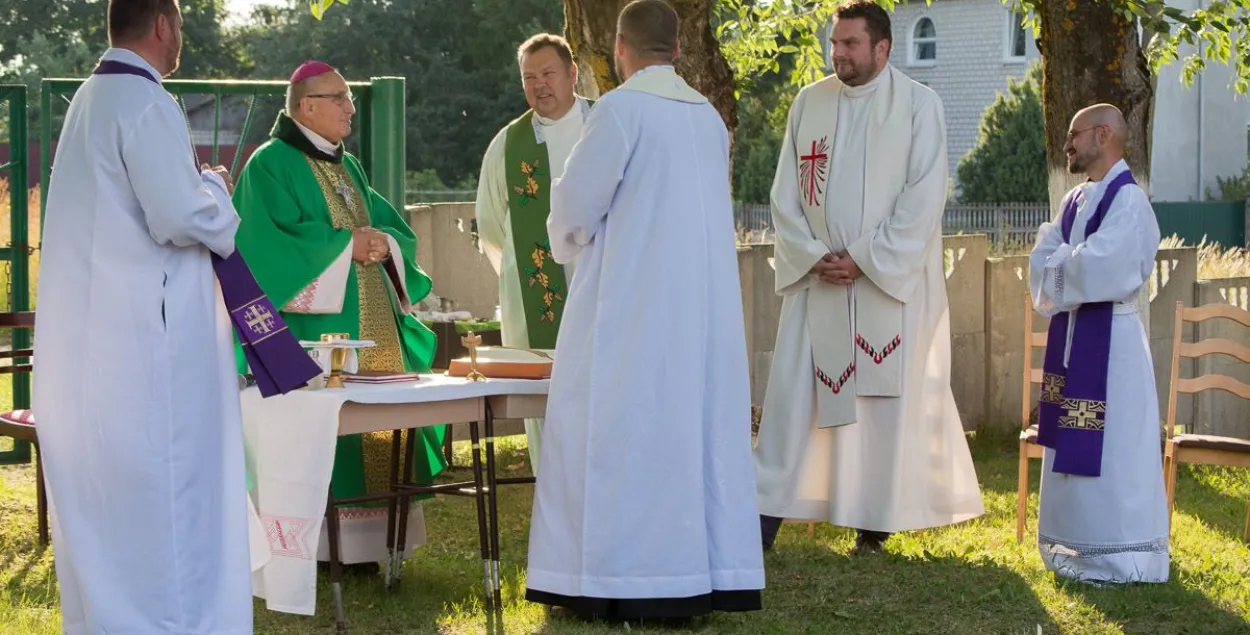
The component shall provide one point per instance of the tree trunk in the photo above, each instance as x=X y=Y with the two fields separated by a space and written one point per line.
x=590 y=27
x=1092 y=54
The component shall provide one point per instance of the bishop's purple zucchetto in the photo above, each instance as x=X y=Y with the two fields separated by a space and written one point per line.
x=311 y=68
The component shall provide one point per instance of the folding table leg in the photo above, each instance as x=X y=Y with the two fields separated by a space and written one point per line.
x=478 y=488
x=392 y=508
x=405 y=503
x=493 y=498
x=336 y=567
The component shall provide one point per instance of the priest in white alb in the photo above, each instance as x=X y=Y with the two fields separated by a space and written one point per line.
x=134 y=381
x=513 y=202
x=644 y=507
x=1102 y=515
x=859 y=424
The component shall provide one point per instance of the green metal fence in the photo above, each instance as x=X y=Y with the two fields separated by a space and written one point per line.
x=379 y=136
x=378 y=141
x=16 y=255
x=1223 y=222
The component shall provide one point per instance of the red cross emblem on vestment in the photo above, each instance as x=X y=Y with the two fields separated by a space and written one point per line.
x=813 y=167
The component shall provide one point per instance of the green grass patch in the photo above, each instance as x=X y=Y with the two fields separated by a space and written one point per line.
x=970 y=579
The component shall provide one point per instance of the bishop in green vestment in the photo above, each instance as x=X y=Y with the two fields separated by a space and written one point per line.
x=336 y=257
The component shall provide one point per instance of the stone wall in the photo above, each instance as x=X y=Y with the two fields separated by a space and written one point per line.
x=987 y=298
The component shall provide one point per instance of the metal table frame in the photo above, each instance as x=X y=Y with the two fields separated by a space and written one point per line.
x=358 y=418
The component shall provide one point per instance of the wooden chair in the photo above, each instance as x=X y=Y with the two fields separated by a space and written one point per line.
x=1201 y=448
x=20 y=424
x=1029 y=449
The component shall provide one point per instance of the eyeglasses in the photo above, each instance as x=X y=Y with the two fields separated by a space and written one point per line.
x=337 y=98
x=1073 y=134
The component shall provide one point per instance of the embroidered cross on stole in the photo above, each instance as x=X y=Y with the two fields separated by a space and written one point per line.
x=855 y=331
x=1072 y=408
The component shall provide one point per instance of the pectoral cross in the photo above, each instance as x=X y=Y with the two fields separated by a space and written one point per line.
x=345 y=192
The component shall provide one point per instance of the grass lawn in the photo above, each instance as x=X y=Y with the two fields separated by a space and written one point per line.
x=969 y=579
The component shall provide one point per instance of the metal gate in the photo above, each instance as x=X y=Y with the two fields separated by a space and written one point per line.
x=15 y=256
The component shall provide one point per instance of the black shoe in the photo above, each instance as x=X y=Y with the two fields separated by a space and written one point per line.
x=867 y=542
x=769 y=526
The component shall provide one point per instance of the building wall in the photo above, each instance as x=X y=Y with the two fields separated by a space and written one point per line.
x=971 y=65
x=1199 y=130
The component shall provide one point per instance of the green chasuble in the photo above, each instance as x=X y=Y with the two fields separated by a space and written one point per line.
x=298 y=207
x=543 y=285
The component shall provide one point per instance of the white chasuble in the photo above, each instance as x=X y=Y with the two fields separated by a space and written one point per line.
x=860 y=427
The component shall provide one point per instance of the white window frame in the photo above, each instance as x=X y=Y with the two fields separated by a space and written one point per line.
x=1009 y=35
x=913 y=42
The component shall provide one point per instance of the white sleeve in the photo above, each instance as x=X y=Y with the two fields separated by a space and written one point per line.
x=581 y=198
x=1109 y=266
x=491 y=208
x=177 y=203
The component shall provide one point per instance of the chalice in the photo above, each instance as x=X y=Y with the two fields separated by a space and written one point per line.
x=471 y=341
x=338 y=359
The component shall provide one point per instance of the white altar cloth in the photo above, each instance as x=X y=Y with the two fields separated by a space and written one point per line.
x=290 y=448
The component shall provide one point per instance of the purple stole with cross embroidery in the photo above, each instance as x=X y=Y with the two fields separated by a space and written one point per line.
x=276 y=358
x=1072 y=410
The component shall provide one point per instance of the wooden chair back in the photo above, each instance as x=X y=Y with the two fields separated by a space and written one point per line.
x=1200 y=348
x=1031 y=375
x=18 y=320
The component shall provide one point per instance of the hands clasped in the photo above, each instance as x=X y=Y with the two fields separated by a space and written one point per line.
x=223 y=173
x=836 y=268
x=369 y=245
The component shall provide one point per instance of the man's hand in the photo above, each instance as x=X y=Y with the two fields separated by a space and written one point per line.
x=842 y=270
x=369 y=245
x=223 y=173
x=824 y=266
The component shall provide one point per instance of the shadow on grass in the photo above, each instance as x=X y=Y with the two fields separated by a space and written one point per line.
x=1173 y=608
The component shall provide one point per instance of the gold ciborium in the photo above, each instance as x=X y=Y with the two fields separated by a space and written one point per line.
x=338 y=359
x=471 y=342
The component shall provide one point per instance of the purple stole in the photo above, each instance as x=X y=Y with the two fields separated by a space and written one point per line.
x=1072 y=410
x=276 y=358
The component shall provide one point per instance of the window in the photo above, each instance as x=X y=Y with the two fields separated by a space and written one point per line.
x=923 y=42
x=1017 y=35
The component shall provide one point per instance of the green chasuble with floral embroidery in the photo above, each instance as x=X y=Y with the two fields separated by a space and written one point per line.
x=543 y=285
x=298 y=207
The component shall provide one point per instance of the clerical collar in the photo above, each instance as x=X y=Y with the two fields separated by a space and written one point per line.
x=868 y=88
x=579 y=105
x=288 y=130
x=580 y=110
x=127 y=56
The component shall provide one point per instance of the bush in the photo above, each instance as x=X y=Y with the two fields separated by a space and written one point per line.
x=1008 y=164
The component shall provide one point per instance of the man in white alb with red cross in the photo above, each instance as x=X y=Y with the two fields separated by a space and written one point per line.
x=859 y=425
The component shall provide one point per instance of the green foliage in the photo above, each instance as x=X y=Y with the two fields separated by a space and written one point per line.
x=462 y=83
x=755 y=34
x=1008 y=163
x=65 y=38
x=1233 y=188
